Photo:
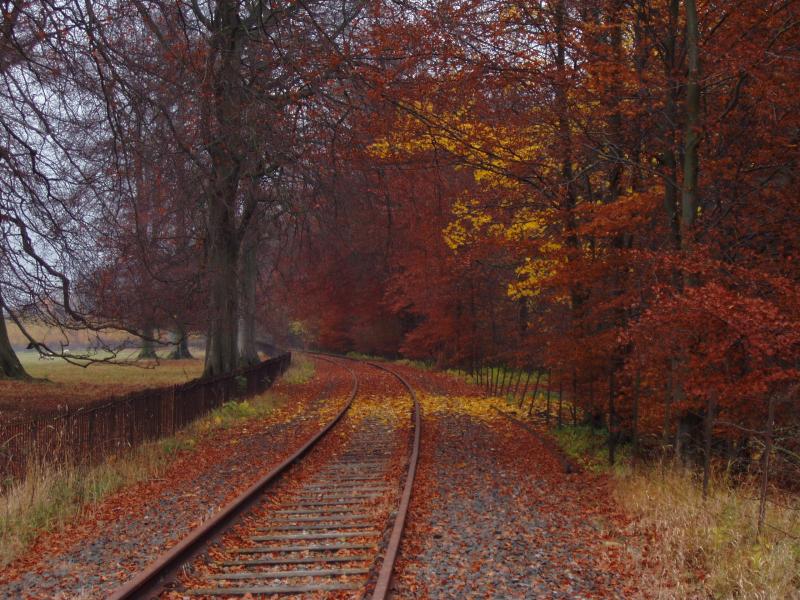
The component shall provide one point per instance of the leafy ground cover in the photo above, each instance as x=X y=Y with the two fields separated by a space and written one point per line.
x=495 y=516
x=698 y=547
x=97 y=545
x=381 y=409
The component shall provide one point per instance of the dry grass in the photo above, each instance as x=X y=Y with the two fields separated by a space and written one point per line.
x=51 y=496
x=700 y=548
x=710 y=549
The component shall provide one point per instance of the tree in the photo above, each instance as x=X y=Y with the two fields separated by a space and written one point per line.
x=538 y=180
x=251 y=75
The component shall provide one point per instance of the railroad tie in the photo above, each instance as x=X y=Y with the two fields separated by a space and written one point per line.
x=315 y=536
x=278 y=589
x=313 y=548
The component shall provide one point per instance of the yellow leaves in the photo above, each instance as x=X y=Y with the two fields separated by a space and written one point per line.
x=533 y=275
x=390 y=411
x=380 y=149
x=472 y=406
x=491 y=150
x=528 y=224
x=468 y=226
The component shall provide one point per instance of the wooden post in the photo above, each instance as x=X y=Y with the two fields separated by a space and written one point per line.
x=549 y=386
x=502 y=383
x=708 y=430
x=762 y=504
x=516 y=386
x=573 y=409
x=560 y=398
x=535 y=390
x=510 y=382
x=524 y=390
x=612 y=419
x=635 y=425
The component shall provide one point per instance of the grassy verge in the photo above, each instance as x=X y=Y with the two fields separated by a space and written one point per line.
x=701 y=548
x=362 y=356
x=300 y=371
x=416 y=364
x=59 y=385
x=711 y=548
x=51 y=496
x=589 y=447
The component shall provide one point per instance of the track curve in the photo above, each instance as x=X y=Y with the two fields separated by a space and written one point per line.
x=383 y=583
x=323 y=519
x=151 y=581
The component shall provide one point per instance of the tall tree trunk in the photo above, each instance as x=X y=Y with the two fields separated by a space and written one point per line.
x=180 y=340
x=148 y=351
x=224 y=121
x=221 y=343
x=691 y=138
x=10 y=367
x=669 y=163
x=248 y=276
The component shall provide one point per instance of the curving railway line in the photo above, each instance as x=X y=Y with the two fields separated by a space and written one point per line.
x=328 y=529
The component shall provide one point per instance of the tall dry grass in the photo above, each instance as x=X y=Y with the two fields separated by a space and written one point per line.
x=49 y=496
x=710 y=548
x=701 y=548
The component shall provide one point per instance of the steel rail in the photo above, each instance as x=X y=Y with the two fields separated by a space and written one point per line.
x=152 y=580
x=384 y=580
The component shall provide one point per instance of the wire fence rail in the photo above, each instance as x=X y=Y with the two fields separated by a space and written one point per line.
x=90 y=434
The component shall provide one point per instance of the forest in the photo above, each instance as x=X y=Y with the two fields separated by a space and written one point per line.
x=595 y=197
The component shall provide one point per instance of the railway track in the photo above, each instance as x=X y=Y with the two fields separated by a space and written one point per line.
x=334 y=531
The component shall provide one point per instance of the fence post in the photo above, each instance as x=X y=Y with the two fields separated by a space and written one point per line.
x=762 y=501
x=86 y=436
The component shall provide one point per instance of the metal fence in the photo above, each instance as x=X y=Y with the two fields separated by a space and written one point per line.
x=88 y=435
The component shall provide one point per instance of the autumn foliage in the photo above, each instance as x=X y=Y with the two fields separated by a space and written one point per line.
x=604 y=189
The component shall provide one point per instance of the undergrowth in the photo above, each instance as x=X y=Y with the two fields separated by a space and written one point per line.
x=50 y=496
x=701 y=548
x=589 y=446
x=300 y=371
x=711 y=548
x=361 y=356
x=416 y=364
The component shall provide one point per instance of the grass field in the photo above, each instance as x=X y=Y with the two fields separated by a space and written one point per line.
x=53 y=337
x=59 y=385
